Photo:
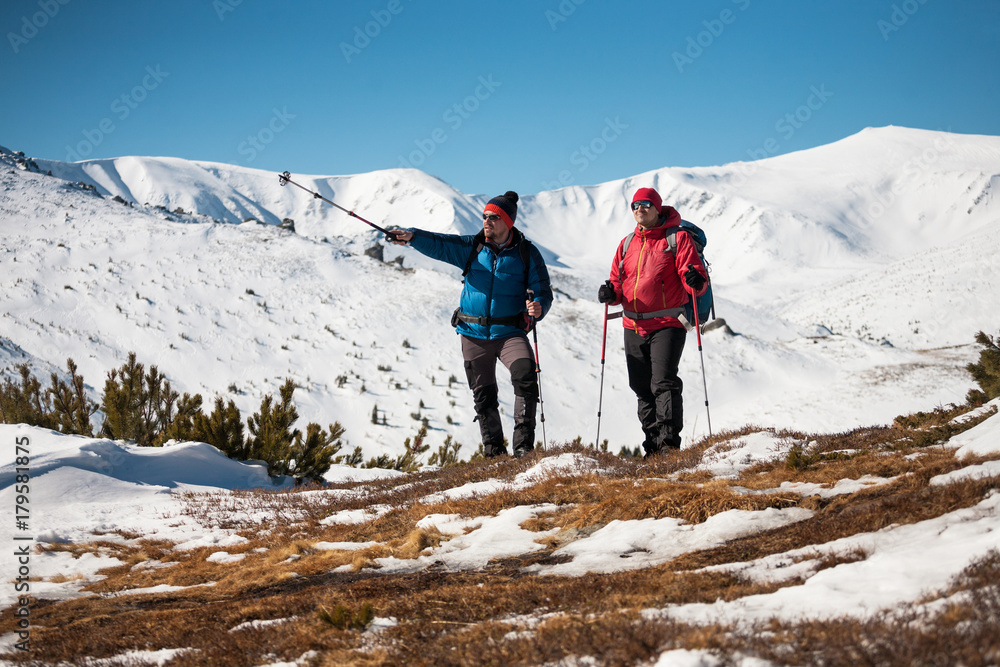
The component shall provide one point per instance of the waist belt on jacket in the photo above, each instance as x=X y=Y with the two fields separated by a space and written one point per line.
x=669 y=312
x=513 y=320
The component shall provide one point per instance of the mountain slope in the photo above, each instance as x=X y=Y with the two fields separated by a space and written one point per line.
x=232 y=308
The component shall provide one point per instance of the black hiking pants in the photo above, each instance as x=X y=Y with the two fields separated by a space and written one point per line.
x=652 y=362
x=514 y=353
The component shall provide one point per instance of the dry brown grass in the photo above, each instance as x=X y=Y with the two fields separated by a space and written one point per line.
x=500 y=614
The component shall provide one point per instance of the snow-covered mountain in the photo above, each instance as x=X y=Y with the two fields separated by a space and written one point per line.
x=855 y=276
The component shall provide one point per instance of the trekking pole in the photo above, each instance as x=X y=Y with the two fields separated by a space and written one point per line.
x=538 y=370
x=286 y=178
x=704 y=382
x=600 y=396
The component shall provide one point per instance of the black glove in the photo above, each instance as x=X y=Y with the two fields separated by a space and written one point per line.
x=606 y=293
x=694 y=279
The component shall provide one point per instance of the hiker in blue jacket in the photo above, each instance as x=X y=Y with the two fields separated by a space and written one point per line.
x=506 y=291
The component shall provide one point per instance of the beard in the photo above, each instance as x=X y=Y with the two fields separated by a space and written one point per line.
x=495 y=233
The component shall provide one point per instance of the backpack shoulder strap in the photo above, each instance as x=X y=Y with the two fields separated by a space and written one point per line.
x=672 y=241
x=477 y=245
x=621 y=260
x=525 y=247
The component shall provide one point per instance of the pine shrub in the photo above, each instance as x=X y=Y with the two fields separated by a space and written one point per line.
x=409 y=460
x=986 y=372
x=354 y=459
x=446 y=455
x=62 y=407
x=137 y=405
x=223 y=429
x=284 y=448
x=25 y=403
x=181 y=426
x=312 y=456
x=70 y=404
x=271 y=433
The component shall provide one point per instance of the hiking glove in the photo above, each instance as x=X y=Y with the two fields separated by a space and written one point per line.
x=694 y=279
x=606 y=293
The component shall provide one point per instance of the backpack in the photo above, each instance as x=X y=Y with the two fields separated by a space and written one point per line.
x=706 y=302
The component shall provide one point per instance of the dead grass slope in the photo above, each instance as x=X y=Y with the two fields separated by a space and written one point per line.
x=289 y=596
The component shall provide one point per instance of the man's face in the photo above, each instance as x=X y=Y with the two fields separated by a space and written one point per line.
x=645 y=214
x=494 y=227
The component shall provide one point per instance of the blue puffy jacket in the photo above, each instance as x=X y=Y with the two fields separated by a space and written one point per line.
x=495 y=285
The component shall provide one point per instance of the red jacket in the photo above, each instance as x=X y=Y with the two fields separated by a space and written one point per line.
x=653 y=278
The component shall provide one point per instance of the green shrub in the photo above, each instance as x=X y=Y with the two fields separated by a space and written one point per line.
x=182 y=425
x=25 y=403
x=343 y=618
x=137 y=406
x=311 y=457
x=446 y=455
x=986 y=372
x=70 y=404
x=271 y=433
x=274 y=440
x=62 y=407
x=409 y=460
x=354 y=459
x=223 y=429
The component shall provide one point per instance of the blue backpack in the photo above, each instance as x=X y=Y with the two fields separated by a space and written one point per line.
x=706 y=302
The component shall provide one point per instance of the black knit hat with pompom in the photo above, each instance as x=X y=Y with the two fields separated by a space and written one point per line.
x=505 y=206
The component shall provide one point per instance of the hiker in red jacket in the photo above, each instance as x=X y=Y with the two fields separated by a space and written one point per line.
x=652 y=285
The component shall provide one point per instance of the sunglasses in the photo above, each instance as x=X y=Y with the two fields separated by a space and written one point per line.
x=636 y=205
x=492 y=217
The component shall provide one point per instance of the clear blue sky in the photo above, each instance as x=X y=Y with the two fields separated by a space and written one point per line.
x=488 y=95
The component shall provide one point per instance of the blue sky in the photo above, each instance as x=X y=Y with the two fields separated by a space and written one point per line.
x=488 y=96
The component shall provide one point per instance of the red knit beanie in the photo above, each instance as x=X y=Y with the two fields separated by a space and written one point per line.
x=505 y=206
x=649 y=194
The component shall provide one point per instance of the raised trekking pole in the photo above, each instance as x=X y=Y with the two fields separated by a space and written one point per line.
x=286 y=178
x=538 y=370
x=704 y=382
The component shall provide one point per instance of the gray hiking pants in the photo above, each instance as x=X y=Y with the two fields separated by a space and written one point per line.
x=514 y=353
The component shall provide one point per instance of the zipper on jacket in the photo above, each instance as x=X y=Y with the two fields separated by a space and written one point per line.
x=489 y=297
x=638 y=274
x=638 y=268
